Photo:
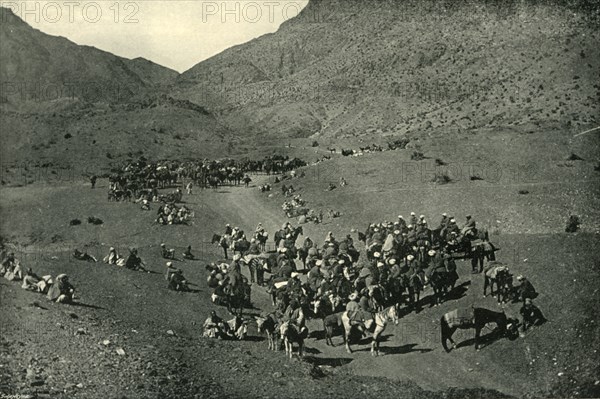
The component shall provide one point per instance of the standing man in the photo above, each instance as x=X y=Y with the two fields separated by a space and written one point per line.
x=477 y=257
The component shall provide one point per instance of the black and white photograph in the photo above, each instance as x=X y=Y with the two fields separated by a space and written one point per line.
x=300 y=199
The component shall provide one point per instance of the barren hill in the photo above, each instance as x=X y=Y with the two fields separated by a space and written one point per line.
x=62 y=102
x=352 y=68
x=39 y=67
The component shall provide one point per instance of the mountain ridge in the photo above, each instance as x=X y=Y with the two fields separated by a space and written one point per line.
x=65 y=102
x=405 y=68
x=30 y=56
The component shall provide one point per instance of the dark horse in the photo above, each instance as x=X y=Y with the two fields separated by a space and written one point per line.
x=281 y=236
x=476 y=318
x=442 y=281
x=238 y=297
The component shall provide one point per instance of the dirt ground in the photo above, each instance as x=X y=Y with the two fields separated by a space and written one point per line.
x=70 y=351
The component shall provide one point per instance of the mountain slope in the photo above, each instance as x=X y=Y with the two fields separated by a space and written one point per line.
x=350 y=68
x=39 y=67
x=80 y=106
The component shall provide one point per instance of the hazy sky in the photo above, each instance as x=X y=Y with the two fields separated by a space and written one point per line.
x=174 y=33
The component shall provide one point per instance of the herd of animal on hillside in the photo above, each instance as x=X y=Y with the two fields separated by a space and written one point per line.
x=347 y=290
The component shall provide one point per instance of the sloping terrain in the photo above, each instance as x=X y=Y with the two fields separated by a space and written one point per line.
x=522 y=200
x=339 y=71
x=352 y=68
x=37 y=67
x=77 y=105
x=83 y=135
x=44 y=350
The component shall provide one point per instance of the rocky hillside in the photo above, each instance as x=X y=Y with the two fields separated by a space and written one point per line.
x=61 y=102
x=353 y=68
x=37 y=67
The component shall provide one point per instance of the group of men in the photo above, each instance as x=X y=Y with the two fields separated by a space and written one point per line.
x=56 y=290
x=412 y=235
x=172 y=214
x=398 y=252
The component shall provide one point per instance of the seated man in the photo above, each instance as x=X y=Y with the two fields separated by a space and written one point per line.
x=8 y=264
x=525 y=290
x=44 y=284
x=295 y=316
x=452 y=228
x=357 y=315
x=134 y=262
x=77 y=254
x=145 y=205
x=31 y=281
x=214 y=327
x=112 y=256
x=61 y=291
x=16 y=273
x=170 y=270
x=469 y=226
x=532 y=315
x=452 y=243
x=166 y=253
x=177 y=282
x=237 y=328
x=187 y=254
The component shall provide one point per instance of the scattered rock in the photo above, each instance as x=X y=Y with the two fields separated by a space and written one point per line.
x=277 y=374
x=170 y=332
x=30 y=374
x=106 y=342
x=94 y=220
x=120 y=352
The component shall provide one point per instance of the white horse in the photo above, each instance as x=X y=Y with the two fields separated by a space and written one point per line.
x=290 y=334
x=380 y=319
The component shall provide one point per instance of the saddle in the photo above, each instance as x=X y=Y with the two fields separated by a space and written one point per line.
x=360 y=316
x=493 y=271
x=461 y=317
